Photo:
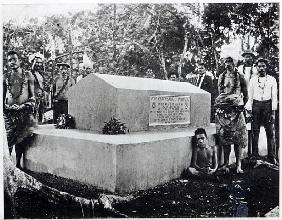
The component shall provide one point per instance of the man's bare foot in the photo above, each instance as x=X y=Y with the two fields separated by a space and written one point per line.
x=224 y=168
x=19 y=166
x=239 y=170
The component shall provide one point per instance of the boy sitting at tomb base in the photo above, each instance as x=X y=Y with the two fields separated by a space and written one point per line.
x=204 y=157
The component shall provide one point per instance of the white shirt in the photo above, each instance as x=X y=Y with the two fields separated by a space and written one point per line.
x=192 y=78
x=262 y=89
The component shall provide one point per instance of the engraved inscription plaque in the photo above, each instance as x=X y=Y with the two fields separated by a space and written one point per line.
x=169 y=110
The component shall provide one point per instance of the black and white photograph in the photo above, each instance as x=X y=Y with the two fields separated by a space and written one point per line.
x=158 y=109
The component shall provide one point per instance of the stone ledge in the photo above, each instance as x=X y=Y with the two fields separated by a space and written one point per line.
x=130 y=138
x=119 y=163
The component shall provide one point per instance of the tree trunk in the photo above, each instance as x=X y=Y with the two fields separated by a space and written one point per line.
x=216 y=58
x=255 y=42
x=248 y=42
x=242 y=44
x=182 y=56
x=70 y=51
x=163 y=64
x=17 y=183
x=114 y=32
x=214 y=53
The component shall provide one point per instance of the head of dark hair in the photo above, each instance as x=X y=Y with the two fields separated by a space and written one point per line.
x=228 y=59
x=261 y=59
x=200 y=131
x=12 y=52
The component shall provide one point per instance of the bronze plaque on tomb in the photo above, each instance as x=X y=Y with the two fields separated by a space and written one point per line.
x=169 y=110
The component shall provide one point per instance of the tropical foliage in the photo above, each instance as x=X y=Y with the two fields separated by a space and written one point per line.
x=131 y=39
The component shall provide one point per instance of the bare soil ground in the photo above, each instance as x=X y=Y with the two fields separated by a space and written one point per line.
x=251 y=194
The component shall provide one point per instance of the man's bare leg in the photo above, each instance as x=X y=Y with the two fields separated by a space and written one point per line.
x=226 y=154
x=238 y=154
x=19 y=149
x=10 y=150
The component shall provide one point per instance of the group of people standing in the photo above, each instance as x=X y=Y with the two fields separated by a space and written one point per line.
x=249 y=88
x=244 y=94
x=24 y=98
x=247 y=99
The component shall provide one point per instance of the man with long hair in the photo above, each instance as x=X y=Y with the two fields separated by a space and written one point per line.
x=230 y=122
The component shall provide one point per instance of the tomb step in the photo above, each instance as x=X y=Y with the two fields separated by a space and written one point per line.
x=118 y=163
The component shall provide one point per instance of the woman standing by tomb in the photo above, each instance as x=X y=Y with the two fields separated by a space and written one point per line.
x=230 y=122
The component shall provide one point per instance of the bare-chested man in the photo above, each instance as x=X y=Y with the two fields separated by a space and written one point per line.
x=19 y=103
x=204 y=158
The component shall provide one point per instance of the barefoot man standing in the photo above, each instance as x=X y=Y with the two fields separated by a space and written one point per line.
x=230 y=122
x=19 y=104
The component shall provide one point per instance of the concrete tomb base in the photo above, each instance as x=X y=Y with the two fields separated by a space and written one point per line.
x=118 y=163
x=160 y=114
